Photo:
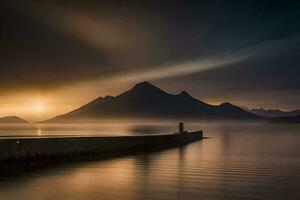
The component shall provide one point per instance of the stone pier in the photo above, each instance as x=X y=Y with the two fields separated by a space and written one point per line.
x=38 y=148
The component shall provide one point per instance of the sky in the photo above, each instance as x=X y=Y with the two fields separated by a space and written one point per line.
x=58 y=55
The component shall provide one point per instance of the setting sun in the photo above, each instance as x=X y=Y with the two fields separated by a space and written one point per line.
x=37 y=106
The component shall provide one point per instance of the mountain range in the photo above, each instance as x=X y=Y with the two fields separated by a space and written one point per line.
x=274 y=113
x=286 y=120
x=145 y=100
x=12 y=119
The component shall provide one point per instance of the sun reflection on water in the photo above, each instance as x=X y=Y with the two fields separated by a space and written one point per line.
x=39 y=131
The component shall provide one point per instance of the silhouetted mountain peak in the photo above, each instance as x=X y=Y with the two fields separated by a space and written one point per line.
x=108 y=97
x=95 y=101
x=12 y=119
x=260 y=109
x=226 y=104
x=184 y=94
x=144 y=85
x=145 y=88
x=274 y=112
x=98 y=99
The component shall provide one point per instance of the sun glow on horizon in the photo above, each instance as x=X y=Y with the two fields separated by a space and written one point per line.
x=38 y=106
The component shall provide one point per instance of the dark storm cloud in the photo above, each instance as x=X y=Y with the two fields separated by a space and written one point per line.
x=41 y=50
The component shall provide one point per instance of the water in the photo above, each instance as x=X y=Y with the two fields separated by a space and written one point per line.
x=237 y=161
x=97 y=129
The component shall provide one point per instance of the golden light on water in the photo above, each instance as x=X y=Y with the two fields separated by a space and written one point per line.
x=39 y=131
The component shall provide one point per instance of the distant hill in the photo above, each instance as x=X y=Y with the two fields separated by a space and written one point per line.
x=274 y=113
x=12 y=119
x=145 y=100
x=289 y=120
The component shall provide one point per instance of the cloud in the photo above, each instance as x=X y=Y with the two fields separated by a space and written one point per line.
x=244 y=46
x=182 y=69
x=267 y=78
x=57 y=45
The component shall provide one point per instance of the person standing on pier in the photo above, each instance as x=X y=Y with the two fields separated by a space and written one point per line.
x=181 y=128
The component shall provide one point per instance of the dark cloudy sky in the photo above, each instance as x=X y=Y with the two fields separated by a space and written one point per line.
x=57 y=55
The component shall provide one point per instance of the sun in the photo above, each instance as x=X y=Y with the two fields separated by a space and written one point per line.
x=38 y=106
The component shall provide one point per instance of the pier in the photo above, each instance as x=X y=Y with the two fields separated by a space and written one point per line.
x=14 y=149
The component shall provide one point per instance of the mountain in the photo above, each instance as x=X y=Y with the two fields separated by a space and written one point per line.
x=274 y=113
x=12 y=119
x=288 y=120
x=145 y=100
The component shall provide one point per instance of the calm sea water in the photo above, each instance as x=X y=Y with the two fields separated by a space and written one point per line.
x=237 y=161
